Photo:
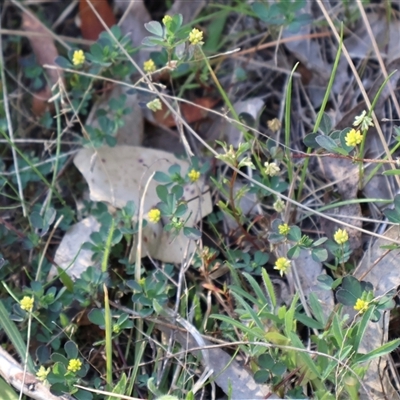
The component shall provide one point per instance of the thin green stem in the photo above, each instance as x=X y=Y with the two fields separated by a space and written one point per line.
x=321 y=111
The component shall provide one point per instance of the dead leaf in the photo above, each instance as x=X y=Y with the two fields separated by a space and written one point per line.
x=45 y=52
x=91 y=26
x=190 y=112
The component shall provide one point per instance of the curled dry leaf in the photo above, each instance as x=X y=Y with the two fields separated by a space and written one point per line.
x=91 y=26
x=45 y=52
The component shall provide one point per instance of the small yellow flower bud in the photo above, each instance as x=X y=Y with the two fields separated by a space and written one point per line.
x=271 y=169
x=78 y=57
x=279 y=205
x=42 y=373
x=282 y=264
x=196 y=36
x=353 y=138
x=27 y=303
x=149 y=66
x=167 y=19
x=361 y=306
x=154 y=105
x=74 y=365
x=194 y=175
x=154 y=215
x=274 y=124
x=284 y=229
x=341 y=236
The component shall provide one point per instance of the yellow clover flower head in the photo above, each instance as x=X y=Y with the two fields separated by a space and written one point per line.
x=196 y=36
x=282 y=264
x=42 y=373
x=166 y=20
x=149 y=66
x=271 y=169
x=274 y=124
x=78 y=57
x=74 y=365
x=353 y=138
x=154 y=105
x=194 y=175
x=284 y=229
x=27 y=303
x=154 y=215
x=279 y=205
x=341 y=236
x=361 y=306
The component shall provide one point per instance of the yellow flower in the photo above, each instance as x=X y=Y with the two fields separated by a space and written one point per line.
x=284 y=229
x=282 y=264
x=196 y=36
x=274 y=124
x=78 y=57
x=167 y=19
x=361 y=306
x=154 y=215
x=74 y=365
x=279 y=205
x=42 y=373
x=353 y=138
x=154 y=105
x=27 y=303
x=149 y=66
x=341 y=236
x=194 y=175
x=271 y=169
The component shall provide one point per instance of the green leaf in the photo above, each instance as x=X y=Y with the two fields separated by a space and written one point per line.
x=325 y=124
x=15 y=337
x=305 y=357
x=70 y=349
x=379 y=352
x=310 y=141
x=293 y=252
x=266 y=361
x=261 y=376
x=120 y=387
x=319 y=255
x=307 y=321
x=342 y=138
x=7 y=392
x=192 y=233
x=329 y=144
x=294 y=234
x=325 y=281
x=151 y=41
x=162 y=193
x=391 y=172
x=63 y=62
x=96 y=316
x=362 y=327
x=59 y=360
x=155 y=28
x=316 y=308
x=269 y=287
